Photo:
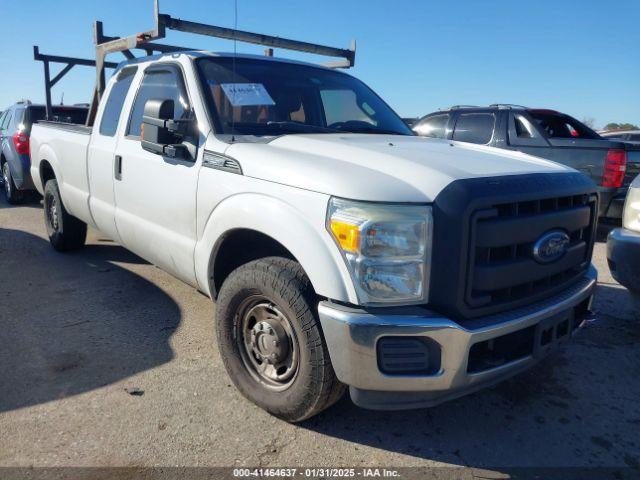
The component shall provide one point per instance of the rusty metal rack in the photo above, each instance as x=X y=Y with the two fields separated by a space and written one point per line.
x=145 y=41
x=68 y=62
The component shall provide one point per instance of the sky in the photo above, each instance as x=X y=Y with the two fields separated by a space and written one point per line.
x=579 y=57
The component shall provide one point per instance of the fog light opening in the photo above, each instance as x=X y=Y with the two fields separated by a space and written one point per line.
x=408 y=356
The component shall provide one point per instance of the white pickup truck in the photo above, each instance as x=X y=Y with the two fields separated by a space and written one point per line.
x=340 y=249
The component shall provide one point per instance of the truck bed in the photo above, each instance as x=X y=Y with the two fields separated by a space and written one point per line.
x=70 y=127
x=64 y=147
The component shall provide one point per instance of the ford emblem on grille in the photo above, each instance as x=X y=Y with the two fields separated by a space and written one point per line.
x=551 y=246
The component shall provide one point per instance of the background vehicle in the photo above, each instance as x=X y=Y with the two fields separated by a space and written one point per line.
x=410 y=121
x=15 y=129
x=623 y=244
x=611 y=164
x=341 y=249
x=630 y=136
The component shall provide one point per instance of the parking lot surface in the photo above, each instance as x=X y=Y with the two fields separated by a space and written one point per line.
x=105 y=360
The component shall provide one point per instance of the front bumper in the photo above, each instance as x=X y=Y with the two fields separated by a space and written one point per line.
x=623 y=257
x=611 y=202
x=353 y=336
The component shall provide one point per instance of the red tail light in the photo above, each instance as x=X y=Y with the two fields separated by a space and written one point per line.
x=615 y=166
x=21 y=142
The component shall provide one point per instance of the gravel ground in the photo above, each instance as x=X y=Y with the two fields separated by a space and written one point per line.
x=107 y=361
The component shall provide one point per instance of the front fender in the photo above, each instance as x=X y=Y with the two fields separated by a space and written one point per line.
x=300 y=229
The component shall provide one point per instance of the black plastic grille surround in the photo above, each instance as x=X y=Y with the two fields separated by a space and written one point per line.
x=503 y=268
x=484 y=231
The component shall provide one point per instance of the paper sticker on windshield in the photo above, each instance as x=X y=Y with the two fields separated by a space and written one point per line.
x=244 y=94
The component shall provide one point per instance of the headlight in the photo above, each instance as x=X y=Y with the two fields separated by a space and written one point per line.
x=631 y=216
x=387 y=249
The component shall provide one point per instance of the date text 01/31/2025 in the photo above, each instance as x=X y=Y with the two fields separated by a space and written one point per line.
x=314 y=472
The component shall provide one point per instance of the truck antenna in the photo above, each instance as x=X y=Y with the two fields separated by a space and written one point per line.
x=233 y=68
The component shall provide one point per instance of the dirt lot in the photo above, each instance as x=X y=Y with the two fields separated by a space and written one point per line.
x=106 y=360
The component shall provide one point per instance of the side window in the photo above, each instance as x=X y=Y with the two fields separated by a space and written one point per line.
x=634 y=137
x=17 y=119
x=474 y=128
x=434 y=126
x=524 y=129
x=117 y=96
x=5 y=120
x=558 y=125
x=159 y=84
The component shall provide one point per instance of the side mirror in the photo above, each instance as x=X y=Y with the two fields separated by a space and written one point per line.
x=160 y=133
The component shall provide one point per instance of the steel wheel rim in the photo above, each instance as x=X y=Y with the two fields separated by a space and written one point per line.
x=268 y=344
x=52 y=212
x=6 y=179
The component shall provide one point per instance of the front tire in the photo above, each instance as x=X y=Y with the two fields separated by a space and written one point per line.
x=65 y=231
x=270 y=340
x=11 y=192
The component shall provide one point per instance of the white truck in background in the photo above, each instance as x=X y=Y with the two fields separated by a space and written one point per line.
x=341 y=250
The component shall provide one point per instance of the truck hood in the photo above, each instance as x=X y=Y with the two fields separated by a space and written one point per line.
x=389 y=168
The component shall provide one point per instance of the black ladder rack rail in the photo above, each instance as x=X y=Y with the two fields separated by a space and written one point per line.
x=69 y=63
x=106 y=45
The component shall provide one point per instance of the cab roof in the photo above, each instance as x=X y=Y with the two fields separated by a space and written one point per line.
x=195 y=54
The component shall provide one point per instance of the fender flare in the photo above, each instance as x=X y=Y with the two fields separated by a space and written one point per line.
x=45 y=154
x=317 y=254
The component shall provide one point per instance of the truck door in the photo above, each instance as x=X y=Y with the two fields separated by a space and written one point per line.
x=156 y=195
x=101 y=158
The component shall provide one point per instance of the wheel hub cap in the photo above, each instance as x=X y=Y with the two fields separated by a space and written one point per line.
x=53 y=212
x=268 y=345
x=269 y=341
x=5 y=178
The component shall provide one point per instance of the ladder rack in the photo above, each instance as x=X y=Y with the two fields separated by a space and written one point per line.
x=144 y=41
x=68 y=62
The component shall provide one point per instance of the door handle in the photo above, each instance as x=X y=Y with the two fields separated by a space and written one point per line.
x=117 y=168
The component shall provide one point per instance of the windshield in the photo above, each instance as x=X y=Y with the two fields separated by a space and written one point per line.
x=274 y=98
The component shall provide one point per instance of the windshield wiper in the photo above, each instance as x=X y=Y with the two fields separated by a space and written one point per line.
x=372 y=129
x=283 y=126
x=302 y=127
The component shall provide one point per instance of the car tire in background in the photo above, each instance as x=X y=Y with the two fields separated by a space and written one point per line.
x=11 y=192
x=65 y=231
x=271 y=342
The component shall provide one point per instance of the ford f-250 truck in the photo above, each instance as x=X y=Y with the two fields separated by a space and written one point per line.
x=340 y=249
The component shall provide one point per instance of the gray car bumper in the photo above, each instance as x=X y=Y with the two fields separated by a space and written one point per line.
x=623 y=256
x=353 y=337
x=611 y=203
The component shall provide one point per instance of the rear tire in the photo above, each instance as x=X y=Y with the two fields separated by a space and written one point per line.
x=65 y=231
x=14 y=196
x=271 y=342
